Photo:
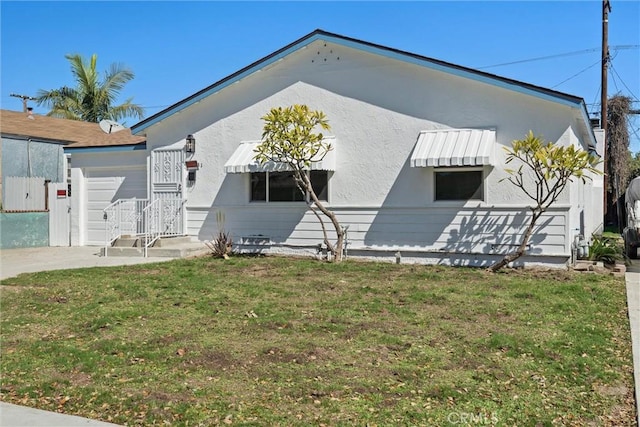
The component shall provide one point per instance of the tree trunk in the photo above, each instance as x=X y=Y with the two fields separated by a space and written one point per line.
x=325 y=236
x=337 y=249
x=523 y=245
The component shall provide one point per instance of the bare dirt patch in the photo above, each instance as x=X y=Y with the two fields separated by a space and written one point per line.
x=13 y=288
x=212 y=360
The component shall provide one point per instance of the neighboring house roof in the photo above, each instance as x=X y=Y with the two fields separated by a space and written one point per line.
x=540 y=92
x=70 y=133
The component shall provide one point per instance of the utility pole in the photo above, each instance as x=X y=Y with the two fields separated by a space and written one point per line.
x=24 y=98
x=606 y=8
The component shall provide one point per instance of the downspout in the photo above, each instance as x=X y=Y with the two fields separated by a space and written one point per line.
x=29 y=171
x=46 y=194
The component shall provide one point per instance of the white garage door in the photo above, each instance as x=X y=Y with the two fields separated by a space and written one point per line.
x=105 y=186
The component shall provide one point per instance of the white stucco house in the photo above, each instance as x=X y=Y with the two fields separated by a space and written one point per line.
x=416 y=169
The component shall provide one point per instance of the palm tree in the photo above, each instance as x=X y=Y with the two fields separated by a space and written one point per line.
x=91 y=100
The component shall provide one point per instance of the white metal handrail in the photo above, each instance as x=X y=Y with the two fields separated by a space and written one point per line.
x=123 y=217
x=152 y=232
x=142 y=218
x=171 y=212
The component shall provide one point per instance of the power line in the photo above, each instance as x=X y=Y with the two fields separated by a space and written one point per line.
x=635 y=132
x=622 y=81
x=595 y=104
x=560 y=55
x=580 y=72
x=613 y=79
x=610 y=65
x=595 y=101
x=577 y=74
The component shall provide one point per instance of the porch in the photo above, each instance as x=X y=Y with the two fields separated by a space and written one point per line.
x=143 y=227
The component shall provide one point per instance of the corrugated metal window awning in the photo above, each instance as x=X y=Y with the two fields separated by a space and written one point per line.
x=242 y=160
x=454 y=147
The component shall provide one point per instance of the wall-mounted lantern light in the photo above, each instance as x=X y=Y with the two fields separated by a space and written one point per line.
x=190 y=144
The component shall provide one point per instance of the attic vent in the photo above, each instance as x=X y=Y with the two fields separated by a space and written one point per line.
x=325 y=55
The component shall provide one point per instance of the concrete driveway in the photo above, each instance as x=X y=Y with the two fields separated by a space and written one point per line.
x=30 y=260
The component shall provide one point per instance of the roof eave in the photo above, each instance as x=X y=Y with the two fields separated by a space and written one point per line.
x=25 y=137
x=592 y=143
x=105 y=148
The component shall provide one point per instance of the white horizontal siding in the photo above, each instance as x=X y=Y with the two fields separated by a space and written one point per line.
x=479 y=230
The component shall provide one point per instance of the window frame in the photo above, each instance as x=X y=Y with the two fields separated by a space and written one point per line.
x=306 y=198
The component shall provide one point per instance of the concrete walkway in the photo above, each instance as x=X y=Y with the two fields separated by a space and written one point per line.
x=21 y=416
x=31 y=260
x=632 y=278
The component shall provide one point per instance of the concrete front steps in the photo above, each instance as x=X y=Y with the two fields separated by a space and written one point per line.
x=168 y=247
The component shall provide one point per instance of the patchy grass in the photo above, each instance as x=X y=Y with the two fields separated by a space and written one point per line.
x=279 y=341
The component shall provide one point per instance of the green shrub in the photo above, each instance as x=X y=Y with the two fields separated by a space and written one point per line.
x=606 y=249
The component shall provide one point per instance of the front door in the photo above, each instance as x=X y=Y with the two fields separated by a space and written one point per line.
x=167 y=175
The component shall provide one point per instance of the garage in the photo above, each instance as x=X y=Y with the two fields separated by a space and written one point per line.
x=105 y=186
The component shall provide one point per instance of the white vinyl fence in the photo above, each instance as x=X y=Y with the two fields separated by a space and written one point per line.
x=59 y=215
x=23 y=194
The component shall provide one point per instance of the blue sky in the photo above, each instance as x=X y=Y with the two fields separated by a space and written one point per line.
x=178 y=48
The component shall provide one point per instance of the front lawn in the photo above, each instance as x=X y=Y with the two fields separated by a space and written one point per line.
x=280 y=341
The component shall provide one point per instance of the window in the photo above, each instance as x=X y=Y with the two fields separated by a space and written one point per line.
x=319 y=182
x=281 y=187
x=459 y=185
x=259 y=187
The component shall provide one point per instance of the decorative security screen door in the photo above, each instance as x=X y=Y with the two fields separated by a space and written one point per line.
x=167 y=202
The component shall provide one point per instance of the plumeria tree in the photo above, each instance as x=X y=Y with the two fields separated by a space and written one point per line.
x=290 y=137
x=544 y=170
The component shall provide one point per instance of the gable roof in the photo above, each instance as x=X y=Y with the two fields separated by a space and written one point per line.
x=70 y=133
x=503 y=82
